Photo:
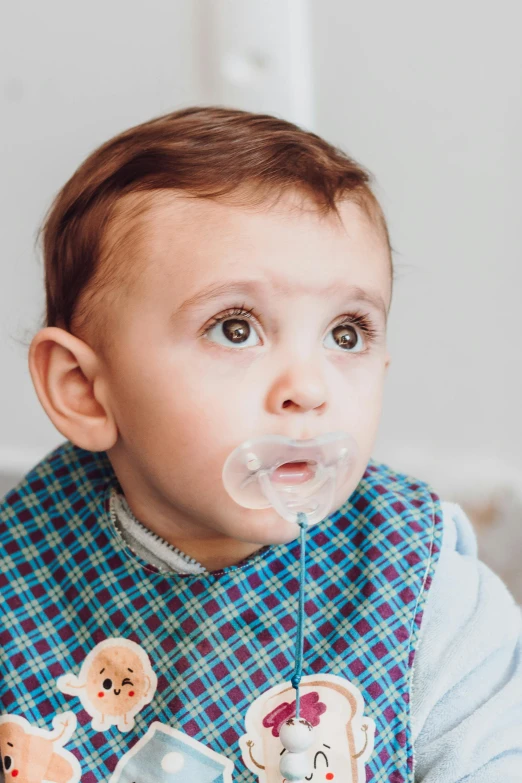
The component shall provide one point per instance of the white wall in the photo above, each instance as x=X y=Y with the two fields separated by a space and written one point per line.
x=425 y=95
x=73 y=75
x=428 y=97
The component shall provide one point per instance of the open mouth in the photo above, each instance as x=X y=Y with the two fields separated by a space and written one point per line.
x=296 y=472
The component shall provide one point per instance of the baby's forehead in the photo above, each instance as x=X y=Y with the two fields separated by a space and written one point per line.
x=151 y=214
x=146 y=226
x=170 y=231
x=147 y=216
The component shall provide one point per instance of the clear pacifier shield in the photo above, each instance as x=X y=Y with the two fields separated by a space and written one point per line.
x=253 y=476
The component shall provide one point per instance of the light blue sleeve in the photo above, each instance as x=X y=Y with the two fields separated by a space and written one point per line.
x=466 y=700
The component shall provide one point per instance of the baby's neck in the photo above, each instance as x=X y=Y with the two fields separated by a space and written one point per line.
x=208 y=553
x=210 y=548
x=216 y=554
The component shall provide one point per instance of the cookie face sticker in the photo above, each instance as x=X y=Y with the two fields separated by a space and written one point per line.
x=115 y=681
x=32 y=755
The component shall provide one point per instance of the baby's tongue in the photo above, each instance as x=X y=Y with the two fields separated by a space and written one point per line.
x=293 y=473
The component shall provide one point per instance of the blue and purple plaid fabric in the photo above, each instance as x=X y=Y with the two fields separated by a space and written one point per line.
x=216 y=642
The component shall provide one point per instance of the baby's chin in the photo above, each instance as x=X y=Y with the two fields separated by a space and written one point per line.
x=265 y=527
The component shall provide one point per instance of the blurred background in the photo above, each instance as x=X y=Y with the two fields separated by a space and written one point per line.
x=427 y=96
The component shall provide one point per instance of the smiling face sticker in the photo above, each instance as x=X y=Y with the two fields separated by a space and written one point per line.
x=115 y=681
x=333 y=707
x=116 y=676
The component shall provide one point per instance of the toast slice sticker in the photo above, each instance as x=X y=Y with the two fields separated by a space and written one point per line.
x=33 y=755
x=344 y=738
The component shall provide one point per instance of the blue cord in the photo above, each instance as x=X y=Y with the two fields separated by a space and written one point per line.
x=296 y=677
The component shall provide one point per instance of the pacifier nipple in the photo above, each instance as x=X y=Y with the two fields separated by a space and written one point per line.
x=293 y=476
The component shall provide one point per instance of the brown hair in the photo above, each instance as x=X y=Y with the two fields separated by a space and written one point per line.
x=207 y=152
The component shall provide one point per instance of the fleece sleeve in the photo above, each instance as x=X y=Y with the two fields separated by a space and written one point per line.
x=466 y=699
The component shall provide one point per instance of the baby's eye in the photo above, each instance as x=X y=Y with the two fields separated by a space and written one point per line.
x=233 y=328
x=107 y=684
x=347 y=337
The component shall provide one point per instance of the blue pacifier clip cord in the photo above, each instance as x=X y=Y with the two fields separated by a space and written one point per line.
x=296 y=677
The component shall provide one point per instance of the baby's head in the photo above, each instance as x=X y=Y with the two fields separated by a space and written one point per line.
x=212 y=276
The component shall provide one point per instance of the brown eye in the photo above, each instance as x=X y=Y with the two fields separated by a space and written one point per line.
x=346 y=336
x=232 y=328
x=236 y=331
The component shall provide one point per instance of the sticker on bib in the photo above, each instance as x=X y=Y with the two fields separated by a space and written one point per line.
x=166 y=755
x=33 y=755
x=344 y=738
x=115 y=681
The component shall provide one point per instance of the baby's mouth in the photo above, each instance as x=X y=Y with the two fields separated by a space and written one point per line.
x=117 y=692
x=296 y=472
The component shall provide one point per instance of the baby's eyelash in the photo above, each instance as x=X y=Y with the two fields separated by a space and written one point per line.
x=356 y=318
x=363 y=321
x=233 y=311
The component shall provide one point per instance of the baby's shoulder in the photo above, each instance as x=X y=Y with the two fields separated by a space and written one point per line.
x=467 y=671
x=458 y=534
x=465 y=591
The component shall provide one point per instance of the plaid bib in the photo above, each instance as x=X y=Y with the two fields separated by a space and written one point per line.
x=113 y=671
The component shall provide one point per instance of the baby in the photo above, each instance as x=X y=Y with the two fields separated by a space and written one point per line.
x=214 y=276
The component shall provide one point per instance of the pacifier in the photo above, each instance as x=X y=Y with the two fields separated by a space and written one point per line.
x=299 y=479
x=292 y=476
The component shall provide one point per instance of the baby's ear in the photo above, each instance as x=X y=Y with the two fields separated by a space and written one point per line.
x=67 y=376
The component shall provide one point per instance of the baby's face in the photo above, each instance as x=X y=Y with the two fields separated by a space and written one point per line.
x=185 y=390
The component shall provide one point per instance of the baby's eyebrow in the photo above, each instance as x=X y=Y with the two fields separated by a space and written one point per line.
x=284 y=288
